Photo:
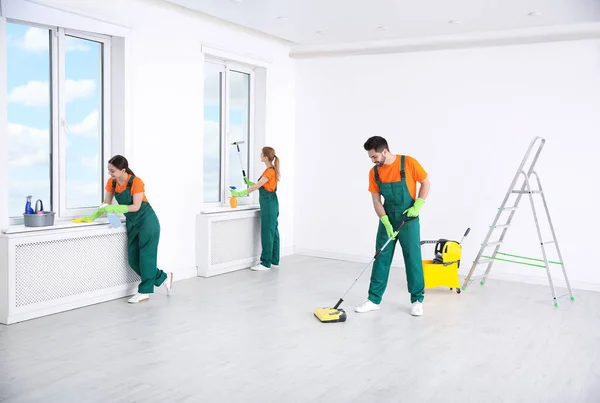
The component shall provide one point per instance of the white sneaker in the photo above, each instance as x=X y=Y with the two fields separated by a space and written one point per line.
x=366 y=307
x=275 y=266
x=138 y=298
x=417 y=309
x=259 y=267
x=168 y=283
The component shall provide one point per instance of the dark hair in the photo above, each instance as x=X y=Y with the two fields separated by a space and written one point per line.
x=376 y=143
x=120 y=162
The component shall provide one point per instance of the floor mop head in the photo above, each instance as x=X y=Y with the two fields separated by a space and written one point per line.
x=330 y=315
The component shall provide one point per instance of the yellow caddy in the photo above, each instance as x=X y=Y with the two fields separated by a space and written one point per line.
x=442 y=271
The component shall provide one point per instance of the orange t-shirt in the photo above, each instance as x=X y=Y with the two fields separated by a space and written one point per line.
x=271 y=184
x=136 y=187
x=391 y=173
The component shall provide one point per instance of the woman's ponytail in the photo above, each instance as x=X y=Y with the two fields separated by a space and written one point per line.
x=276 y=165
x=269 y=152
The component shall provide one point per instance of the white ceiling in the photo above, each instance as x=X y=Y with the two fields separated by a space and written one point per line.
x=319 y=22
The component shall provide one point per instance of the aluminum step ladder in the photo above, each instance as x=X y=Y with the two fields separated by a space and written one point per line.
x=525 y=189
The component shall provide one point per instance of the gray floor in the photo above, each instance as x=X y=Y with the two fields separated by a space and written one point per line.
x=251 y=337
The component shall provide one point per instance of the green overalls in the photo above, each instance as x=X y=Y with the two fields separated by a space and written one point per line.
x=397 y=200
x=269 y=233
x=143 y=233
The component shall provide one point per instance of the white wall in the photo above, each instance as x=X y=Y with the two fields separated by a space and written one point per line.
x=165 y=143
x=468 y=117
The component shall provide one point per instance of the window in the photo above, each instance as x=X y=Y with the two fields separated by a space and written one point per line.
x=29 y=60
x=82 y=120
x=227 y=126
x=57 y=98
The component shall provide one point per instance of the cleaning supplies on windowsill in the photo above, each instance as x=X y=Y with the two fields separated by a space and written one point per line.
x=37 y=217
x=39 y=207
x=233 y=200
x=28 y=209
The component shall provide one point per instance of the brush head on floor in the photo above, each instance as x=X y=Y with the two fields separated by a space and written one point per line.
x=329 y=315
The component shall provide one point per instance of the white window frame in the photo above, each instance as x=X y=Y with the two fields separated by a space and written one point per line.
x=225 y=137
x=58 y=185
x=60 y=192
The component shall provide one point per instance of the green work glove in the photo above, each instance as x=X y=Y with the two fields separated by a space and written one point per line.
x=115 y=208
x=388 y=227
x=241 y=193
x=414 y=210
x=91 y=217
x=248 y=182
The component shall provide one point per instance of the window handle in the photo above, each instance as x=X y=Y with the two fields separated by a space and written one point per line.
x=65 y=125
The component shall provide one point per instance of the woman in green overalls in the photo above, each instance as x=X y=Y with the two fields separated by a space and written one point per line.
x=143 y=228
x=269 y=208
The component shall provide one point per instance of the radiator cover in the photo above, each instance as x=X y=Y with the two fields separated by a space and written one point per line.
x=49 y=271
x=227 y=241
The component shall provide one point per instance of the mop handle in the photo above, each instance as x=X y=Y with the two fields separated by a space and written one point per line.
x=363 y=270
x=240 y=156
x=464 y=236
x=372 y=260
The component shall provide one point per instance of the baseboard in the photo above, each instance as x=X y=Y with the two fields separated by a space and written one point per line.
x=225 y=268
x=287 y=251
x=185 y=273
x=538 y=280
x=343 y=257
x=497 y=275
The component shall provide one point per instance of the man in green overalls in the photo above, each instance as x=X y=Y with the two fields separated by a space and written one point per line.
x=395 y=178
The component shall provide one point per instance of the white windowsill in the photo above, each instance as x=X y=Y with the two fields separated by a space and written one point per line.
x=20 y=228
x=228 y=209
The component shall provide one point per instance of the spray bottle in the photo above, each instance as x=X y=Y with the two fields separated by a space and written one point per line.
x=28 y=209
x=233 y=200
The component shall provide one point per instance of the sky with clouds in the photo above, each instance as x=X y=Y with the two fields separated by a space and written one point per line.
x=30 y=119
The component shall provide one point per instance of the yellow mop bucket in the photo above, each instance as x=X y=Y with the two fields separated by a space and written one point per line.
x=442 y=270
